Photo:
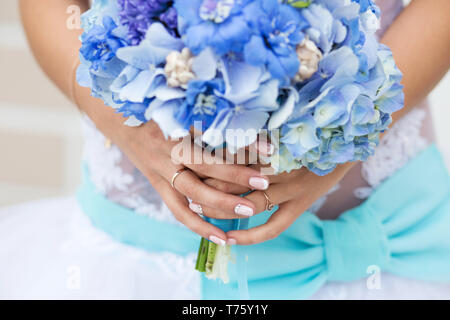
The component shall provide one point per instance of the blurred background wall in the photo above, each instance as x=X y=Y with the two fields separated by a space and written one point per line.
x=40 y=132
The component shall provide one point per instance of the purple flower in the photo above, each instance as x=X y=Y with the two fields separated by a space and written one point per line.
x=138 y=15
x=170 y=19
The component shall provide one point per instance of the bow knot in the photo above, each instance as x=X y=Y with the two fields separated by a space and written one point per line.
x=354 y=243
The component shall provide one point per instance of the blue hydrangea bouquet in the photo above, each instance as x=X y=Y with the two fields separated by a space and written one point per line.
x=311 y=70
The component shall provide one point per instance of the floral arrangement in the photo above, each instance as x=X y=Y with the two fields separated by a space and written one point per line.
x=311 y=70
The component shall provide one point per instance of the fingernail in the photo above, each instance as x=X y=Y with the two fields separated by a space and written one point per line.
x=196 y=208
x=259 y=183
x=243 y=210
x=265 y=148
x=231 y=242
x=217 y=240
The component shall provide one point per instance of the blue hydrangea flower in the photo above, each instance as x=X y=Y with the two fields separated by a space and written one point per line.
x=99 y=64
x=216 y=23
x=100 y=43
x=252 y=95
x=284 y=161
x=276 y=32
x=202 y=104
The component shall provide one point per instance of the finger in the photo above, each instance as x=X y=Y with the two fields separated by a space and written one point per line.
x=253 y=154
x=249 y=155
x=226 y=187
x=192 y=187
x=213 y=212
x=276 y=195
x=233 y=173
x=282 y=177
x=263 y=146
x=188 y=184
x=275 y=225
x=177 y=204
x=203 y=162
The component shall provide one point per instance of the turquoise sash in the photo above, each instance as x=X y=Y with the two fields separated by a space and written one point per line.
x=403 y=228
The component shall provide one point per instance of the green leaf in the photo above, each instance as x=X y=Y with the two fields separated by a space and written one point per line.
x=300 y=4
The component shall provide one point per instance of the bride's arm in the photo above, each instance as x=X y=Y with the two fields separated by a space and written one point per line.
x=54 y=47
x=420 y=41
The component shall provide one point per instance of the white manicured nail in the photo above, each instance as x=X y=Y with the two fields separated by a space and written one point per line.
x=231 y=242
x=217 y=240
x=259 y=183
x=196 y=208
x=243 y=210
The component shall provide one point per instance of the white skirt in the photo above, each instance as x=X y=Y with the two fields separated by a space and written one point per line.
x=50 y=250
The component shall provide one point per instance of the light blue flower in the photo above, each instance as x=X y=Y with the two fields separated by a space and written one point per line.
x=325 y=30
x=144 y=71
x=283 y=161
x=300 y=135
x=390 y=96
x=99 y=9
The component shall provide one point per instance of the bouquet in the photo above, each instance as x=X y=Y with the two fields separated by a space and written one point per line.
x=310 y=71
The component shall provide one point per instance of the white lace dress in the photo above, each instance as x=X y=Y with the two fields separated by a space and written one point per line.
x=50 y=250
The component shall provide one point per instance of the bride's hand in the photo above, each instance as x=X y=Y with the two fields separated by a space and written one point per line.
x=294 y=192
x=151 y=153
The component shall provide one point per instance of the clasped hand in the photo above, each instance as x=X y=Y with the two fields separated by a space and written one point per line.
x=213 y=188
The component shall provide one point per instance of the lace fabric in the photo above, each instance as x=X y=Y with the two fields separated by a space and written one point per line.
x=117 y=178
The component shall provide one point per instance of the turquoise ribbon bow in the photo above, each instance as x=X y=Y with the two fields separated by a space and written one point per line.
x=403 y=228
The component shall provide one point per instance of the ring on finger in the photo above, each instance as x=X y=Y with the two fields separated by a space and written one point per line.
x=175 y=176
x=269 y=204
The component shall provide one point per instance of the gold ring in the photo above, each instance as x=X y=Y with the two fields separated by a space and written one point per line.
x=176 y=174
x=269 y=204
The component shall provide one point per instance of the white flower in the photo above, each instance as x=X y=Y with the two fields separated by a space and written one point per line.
x=178 y=68
x=309 y=56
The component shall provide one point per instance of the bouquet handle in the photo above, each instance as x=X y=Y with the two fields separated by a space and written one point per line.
x=241 y=264
x=241 y=251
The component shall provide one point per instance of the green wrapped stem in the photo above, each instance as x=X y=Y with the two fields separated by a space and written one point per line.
x=202 y=255
x=212 y=249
